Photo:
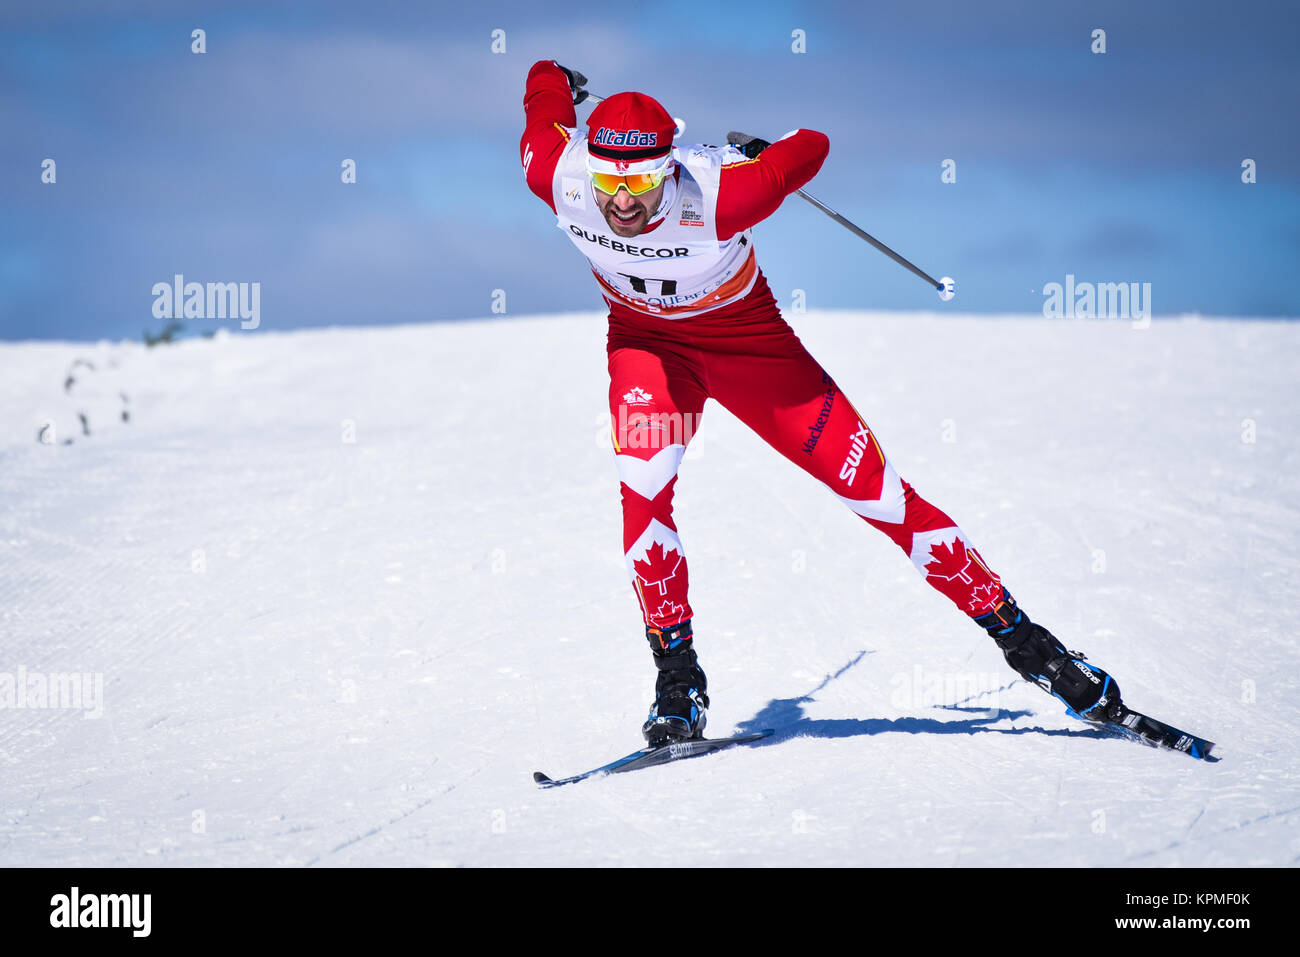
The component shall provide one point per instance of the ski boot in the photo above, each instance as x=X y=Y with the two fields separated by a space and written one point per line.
x=681 y=698
x=1087 y=691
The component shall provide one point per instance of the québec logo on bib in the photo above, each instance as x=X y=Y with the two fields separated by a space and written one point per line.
x=607 y=137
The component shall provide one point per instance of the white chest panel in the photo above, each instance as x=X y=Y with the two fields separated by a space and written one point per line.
x=677 y=269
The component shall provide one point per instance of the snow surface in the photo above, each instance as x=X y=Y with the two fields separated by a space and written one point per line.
x=317 y=651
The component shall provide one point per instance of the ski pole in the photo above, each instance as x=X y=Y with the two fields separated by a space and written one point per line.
x=945 y=287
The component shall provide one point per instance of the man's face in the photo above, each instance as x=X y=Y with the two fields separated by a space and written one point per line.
x=626 y=214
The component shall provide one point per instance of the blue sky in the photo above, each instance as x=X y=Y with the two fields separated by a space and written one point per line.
x=1122 y=166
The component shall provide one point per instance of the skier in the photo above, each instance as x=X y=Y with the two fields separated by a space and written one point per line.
x=667 y=232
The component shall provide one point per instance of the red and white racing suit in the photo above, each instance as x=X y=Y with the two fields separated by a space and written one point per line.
x=691 y=317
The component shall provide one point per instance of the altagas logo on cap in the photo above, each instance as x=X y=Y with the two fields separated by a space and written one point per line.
x=607 y=137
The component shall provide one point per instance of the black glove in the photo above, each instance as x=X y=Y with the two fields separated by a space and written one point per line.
x=576 y=83
x=751 y=146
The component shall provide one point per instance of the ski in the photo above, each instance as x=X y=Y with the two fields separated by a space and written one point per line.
x=1136 y=726
x=649 y=757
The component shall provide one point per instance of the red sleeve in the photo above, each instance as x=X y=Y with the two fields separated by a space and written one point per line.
x=548 y=117
x=752 y=190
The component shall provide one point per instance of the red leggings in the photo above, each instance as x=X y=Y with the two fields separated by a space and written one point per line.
x=748 y=359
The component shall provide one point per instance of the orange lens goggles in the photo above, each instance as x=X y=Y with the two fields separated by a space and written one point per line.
x=634 y=183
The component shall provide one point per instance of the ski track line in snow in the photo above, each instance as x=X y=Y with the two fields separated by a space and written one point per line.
x=1240 y=826
x=379 y=828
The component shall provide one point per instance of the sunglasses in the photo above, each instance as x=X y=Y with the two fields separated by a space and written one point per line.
x=635 y=183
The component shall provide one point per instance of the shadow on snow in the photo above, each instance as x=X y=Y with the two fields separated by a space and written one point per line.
x=786 y=716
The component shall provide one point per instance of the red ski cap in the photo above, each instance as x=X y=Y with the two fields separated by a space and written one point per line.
x=629 y=132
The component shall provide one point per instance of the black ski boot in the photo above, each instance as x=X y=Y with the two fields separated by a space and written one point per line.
x=680 y=690
x=1087 y=691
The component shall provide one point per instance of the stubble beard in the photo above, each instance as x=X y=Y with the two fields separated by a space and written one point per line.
x=632 y=229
